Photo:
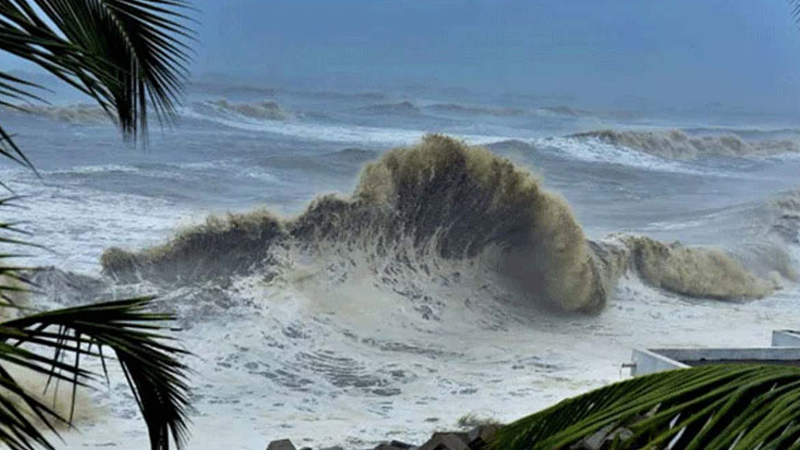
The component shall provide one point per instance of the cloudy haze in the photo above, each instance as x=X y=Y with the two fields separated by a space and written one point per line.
x=595 y=52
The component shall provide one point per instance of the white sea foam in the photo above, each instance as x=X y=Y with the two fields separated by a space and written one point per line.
x=318 y=349
x=593 y=150
x=331 y=133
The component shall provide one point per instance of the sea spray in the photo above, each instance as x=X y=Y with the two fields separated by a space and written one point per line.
x=219 y=248
x=691 y=272
x=417 y=209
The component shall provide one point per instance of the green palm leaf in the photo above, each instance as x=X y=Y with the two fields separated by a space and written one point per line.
x=149 y=361
x=795 y=7
x=711 y=407
x=129 y=55
x=156 y=376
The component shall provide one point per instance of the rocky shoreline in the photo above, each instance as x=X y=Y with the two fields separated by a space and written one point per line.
x=476 y=439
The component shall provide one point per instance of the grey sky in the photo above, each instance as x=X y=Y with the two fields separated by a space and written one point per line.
x=673 y=53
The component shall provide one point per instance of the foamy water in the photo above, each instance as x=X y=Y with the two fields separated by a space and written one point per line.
x=394 y=309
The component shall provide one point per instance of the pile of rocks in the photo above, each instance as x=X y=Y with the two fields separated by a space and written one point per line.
x=476 y=439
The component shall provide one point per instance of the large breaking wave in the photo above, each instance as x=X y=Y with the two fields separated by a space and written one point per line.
x=442 y=210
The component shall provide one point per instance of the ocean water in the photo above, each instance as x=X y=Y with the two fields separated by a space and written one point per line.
x=437 y=283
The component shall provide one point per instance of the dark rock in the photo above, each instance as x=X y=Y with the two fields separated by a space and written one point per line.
x=622 y=434
x=447 y=441
x=395 y=445
x=283 y=444
x=479 y=437
x=604 y=438
x=389 y=446
x=596 y=440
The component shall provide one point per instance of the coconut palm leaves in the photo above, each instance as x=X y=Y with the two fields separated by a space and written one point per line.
x=74 y=334
x=795 y=6
x=705 y=408
x=56 y=345
x=130 y=57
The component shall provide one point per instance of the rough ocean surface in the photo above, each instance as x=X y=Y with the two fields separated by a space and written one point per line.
x=372 y=283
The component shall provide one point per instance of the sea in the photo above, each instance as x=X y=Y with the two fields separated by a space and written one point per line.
x=349 y=267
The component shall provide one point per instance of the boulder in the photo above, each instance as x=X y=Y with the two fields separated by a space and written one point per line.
x=283 y=444
x=395 y=445
x=480 y=436
x=447 y=441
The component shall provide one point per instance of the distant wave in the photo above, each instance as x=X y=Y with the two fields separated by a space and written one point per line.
x=85 y=114
x=80 y=114
x=334 y=95
x=264 y=110
x=565 y=111
x=346 y=161
x=677 y=145
x=456 y=108
x=342 y=133
x=597 y=151
x=351 y=155
x=400 y=109
x=444 y=212
x=745 y=132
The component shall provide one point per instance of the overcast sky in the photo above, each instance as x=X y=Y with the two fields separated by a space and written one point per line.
x=673 y=52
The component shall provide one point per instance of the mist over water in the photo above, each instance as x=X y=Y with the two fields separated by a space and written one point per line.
x=373 y=279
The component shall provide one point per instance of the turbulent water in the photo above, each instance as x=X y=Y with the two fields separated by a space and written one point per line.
x=344 y=276
x=675 y=144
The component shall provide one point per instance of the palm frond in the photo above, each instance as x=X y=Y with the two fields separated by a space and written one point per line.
x=10 y=150
x=711 y=407
x=795 y=9
x=129 y=55
x=13 y=279
x=150 y=363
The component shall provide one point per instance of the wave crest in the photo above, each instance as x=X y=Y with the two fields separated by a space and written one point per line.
x=418 y=209
x=692 y=272
x=266 y=110
x=399 y=109
x=675 y=144
x=79 y=114
x=456 y=108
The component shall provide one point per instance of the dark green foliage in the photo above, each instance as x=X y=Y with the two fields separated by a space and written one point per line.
x=130 y=57
x=150 y=363
x=704 y=408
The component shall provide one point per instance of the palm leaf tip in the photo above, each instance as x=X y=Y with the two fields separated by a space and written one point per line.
x=713 y=407
x=131 y=56
x=794 y=5
x=152 y=366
